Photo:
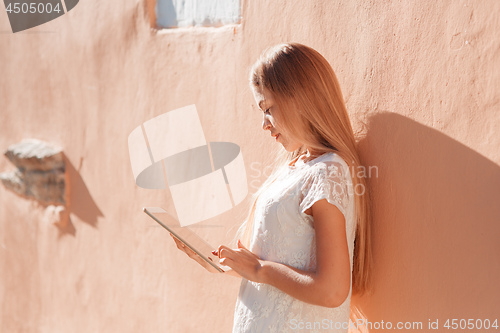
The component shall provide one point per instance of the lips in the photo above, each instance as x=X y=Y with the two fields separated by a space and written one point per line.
x=276 y=136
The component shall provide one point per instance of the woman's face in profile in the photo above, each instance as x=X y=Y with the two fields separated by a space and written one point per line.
x=271 y=120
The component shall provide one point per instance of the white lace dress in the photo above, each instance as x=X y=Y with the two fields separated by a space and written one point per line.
x=284 y=233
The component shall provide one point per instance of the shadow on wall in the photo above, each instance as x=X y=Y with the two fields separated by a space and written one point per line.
x=436 y=225
x=80 y=202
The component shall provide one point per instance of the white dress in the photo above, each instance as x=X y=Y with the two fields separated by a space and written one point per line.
x=283 y=233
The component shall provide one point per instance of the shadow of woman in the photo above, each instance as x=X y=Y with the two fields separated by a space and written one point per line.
x=435 y=228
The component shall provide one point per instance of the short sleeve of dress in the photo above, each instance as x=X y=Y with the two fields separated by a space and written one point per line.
x=326 y=180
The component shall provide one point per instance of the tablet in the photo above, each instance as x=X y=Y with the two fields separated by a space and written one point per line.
x=187 y=237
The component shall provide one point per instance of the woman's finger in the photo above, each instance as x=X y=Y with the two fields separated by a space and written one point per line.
x=243 y=249
x=227 y=262
x=240 y=244
x=179 y=244
x=224 y=251
x=175 y=239
x=219 y=249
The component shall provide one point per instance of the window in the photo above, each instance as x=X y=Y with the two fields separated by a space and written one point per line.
x=187 y=13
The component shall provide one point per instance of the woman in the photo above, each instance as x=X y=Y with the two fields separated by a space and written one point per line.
x=299 y=236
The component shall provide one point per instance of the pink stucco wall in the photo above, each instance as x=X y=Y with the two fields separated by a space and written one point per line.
x=421 y=81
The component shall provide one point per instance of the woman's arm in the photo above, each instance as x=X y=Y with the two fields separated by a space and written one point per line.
x=327 y=286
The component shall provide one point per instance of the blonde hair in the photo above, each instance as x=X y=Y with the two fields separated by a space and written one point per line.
x=307 y=93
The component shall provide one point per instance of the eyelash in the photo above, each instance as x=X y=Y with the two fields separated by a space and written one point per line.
x=267 y=110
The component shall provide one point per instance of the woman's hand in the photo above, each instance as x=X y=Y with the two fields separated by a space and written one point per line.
x=247 y=264
x=191 y=254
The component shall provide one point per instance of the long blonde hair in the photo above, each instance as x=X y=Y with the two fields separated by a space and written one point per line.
x=306 y=90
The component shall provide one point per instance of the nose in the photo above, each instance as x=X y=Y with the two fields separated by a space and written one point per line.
x=266 y=124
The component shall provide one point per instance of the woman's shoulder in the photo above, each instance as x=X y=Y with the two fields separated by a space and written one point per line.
x=327 y=177
x=332 y=166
